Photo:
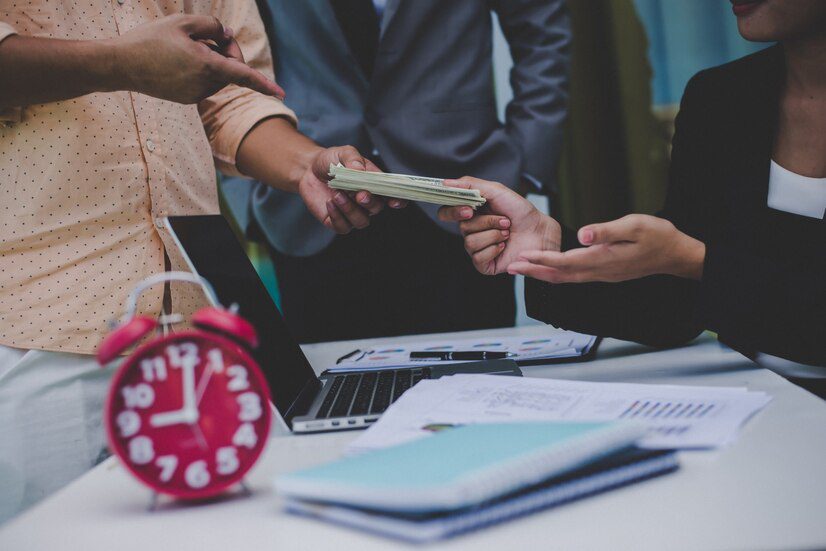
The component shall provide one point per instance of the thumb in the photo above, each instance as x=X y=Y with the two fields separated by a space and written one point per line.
x=204 y=27
x=500 y=198
x=488 y=189
x=350 y=157
x=607 y=232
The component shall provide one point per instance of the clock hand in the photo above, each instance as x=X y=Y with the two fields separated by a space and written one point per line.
x=189 y=412
x=170 y=418
x=202 y=384
x=190 y=404
x=199 y=435
x=216 y=363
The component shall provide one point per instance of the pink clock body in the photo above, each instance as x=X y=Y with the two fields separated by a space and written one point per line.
x=189 y=413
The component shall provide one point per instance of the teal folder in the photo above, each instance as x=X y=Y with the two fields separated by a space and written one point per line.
x=458 y=467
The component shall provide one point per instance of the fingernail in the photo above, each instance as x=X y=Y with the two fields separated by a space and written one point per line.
x=364 y=199
x=358 y=165
x=466 y=213
x=505 y=233
x=501 y=245
x=340 y=199
x=504 y=223
x=228 y=32
x=587 y=236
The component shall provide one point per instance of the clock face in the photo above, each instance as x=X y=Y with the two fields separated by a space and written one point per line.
x=188 y=414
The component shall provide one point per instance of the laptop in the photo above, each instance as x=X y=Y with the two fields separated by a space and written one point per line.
x=307 y=402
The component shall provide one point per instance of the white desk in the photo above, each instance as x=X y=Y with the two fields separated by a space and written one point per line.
x=766 y=491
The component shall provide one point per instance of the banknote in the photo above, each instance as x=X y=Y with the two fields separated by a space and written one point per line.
x=403 y=186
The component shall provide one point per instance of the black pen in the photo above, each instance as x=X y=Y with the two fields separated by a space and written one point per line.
x=459 y=356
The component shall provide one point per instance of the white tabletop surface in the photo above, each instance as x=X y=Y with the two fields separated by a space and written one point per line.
x=765 y=491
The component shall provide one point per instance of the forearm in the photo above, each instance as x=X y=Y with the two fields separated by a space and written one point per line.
x=275 y=153
x=42 y=70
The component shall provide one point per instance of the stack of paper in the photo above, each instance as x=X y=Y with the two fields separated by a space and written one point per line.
x=548 y=346
x=402 y=186
x=675 y=416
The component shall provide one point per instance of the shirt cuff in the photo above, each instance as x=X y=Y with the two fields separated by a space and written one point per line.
x=229 y=115
x=6 y=30
x=10 y=114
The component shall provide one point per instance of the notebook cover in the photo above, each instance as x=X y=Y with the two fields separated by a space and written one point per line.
x=617 y=470
x=460 y=466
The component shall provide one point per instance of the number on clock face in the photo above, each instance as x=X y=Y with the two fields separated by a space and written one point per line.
x=189 y=415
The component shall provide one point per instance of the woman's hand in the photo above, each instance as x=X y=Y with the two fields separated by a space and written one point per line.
x=513 y=225
x=632 y=247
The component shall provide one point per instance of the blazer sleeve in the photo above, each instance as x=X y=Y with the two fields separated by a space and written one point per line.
x=657 y=310
x=756 y=302
x=539 y=36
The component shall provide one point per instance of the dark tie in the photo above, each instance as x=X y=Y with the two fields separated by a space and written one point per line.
x=360 y=24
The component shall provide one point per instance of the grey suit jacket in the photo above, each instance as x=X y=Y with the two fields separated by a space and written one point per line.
x=429 y=107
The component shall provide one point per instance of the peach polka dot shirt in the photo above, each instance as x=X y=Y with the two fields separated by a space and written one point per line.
x=85 y=182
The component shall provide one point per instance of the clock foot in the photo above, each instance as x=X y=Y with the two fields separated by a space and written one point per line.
x=153 y=502
x=245 y=489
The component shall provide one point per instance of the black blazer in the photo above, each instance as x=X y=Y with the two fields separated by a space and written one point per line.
x=764 y=280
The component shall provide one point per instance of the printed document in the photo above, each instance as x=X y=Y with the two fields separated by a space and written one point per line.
x=676 y=416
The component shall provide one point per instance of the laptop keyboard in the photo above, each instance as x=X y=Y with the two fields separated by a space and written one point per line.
x=367 y=393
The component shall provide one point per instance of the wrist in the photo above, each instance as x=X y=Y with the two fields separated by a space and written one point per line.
x=108 y=65
x=690 y=259
x=550 y=233
x=303 y=167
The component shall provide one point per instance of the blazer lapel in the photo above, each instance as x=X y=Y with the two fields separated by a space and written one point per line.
x=329 y=25
x=761 y=135
x=756 y=127
x=390 y=10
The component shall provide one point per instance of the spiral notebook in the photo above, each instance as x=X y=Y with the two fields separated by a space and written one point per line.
x=614 y=471
x=459 y=467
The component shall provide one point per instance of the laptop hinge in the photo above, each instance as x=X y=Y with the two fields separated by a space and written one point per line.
x=301 y=405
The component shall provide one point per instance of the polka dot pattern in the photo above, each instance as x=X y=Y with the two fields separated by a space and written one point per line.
x=84 y=181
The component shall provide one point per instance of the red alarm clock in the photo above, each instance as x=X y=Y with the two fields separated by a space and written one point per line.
x=187 y=413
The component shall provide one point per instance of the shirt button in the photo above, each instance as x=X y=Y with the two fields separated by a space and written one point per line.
x=121 y=2
x=375 y=152
x=150 y=146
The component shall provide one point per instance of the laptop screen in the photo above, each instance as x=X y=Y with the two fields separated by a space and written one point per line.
x=214 y=253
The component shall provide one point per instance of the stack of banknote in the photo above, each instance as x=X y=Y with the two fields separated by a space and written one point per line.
x=401 y=186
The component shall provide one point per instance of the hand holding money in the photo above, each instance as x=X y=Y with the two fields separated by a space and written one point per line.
x=401 y=186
